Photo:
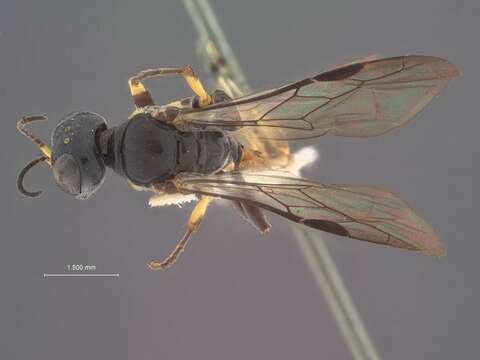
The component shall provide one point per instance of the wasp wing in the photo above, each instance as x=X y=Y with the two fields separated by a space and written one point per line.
x=359 y=100
x=358 y=212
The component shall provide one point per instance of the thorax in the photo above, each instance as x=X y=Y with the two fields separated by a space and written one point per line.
x=149 y=151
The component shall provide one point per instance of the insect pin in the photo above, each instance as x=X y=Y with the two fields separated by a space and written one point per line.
x=211 y=146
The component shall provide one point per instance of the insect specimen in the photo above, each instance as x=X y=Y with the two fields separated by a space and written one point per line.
x=211 y=146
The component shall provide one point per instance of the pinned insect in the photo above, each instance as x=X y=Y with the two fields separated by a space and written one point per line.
x=211 y=146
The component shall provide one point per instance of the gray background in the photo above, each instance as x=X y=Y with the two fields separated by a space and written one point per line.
x=234 y=294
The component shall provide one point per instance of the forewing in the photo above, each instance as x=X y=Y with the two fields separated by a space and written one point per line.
x=355 y=211
x=358 y=100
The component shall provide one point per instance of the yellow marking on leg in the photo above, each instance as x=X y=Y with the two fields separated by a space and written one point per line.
x=139 y=92
x=198 y=213
x=136 y=87
x=193 y=223
x=197 y=87
x=141 y=96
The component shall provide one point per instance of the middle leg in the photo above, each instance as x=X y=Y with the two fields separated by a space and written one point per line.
x=193 y=223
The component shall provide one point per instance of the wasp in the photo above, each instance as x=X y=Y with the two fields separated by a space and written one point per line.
x=210 y=146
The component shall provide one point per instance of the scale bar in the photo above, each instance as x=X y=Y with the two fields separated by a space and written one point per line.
x=81 y=275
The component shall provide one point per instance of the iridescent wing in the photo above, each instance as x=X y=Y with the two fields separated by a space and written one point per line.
x=359 y=100
x=358 y=212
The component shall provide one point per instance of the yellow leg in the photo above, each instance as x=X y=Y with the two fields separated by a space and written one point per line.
x=142 y=96
x=197 y=87
x=193 y=223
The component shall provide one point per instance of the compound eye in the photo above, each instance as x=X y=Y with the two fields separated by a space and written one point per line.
x=67 y=174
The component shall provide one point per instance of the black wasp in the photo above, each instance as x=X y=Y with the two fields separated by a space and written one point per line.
x=211 y=146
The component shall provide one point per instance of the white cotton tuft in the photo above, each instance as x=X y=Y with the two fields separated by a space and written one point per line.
x=302 y=158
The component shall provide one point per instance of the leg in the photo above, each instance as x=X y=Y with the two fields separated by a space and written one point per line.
x=192 y=226
x=143 y=96
x=253 y=215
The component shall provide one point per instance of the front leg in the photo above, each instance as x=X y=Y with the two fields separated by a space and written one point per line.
x=142 y=97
